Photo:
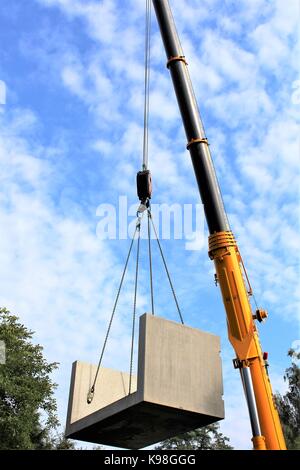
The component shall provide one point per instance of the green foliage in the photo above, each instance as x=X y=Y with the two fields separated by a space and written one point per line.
x=206 y=438
x=62 y=443
x=27 y=405
x=289 y=404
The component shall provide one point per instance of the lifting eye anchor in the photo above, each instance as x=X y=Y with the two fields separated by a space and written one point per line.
x=90 y=395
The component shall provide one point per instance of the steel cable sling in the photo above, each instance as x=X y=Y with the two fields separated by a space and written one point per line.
x=138 y=233
x=144 y=190
x=92 y=389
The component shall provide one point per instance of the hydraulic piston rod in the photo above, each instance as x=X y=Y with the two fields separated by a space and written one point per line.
x=223 y=249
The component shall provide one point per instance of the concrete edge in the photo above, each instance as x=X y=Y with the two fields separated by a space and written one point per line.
x=103 y=413
x=71 y=395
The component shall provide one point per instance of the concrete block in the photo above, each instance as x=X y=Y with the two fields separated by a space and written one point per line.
x=178 y=388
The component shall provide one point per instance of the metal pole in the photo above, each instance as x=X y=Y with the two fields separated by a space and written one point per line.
x=250 y=398
x=258 y=440
x=197 y=143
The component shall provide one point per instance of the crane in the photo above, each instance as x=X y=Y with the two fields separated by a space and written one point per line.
x=224 y=252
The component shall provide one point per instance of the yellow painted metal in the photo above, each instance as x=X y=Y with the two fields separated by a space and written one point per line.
x=259 y=443
x=243 y=334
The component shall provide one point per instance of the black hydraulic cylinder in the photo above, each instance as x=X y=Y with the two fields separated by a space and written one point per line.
x=197 y=144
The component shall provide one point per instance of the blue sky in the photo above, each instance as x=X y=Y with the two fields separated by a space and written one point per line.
x=71 y=138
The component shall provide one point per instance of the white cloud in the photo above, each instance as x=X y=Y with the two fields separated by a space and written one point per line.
x=2 y=92
x=246 y=104
x=228 y=58
x=99 y=16
x=230 y=25
x=274 y=40
x=73 y=79
x=269 y=57
x=239 y=64
x=104 y=147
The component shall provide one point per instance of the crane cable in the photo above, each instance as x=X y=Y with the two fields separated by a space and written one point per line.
x=138 y=224
x=134 y=306
x=144 y=207
x=146 y=129
x=166 y=267
x=92 y=389
x=147 y=83
x=150 y=262
x=140 y=215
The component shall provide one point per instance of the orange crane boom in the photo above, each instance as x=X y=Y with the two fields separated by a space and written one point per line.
x=223 y=250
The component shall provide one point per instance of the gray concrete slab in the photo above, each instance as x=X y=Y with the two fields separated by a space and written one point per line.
x=179 y=388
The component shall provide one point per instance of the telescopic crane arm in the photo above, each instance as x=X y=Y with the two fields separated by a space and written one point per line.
x=223 y=250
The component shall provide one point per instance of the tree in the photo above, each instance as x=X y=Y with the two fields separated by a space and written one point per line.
x=206 y=438
x=27 y=405
x=289 y=404
x=62 y=443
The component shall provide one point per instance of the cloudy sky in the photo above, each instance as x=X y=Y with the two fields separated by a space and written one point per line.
x=71 y=109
